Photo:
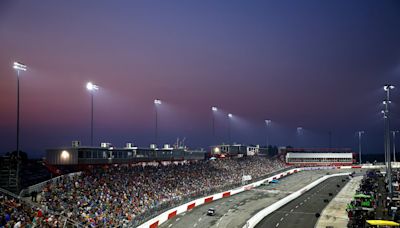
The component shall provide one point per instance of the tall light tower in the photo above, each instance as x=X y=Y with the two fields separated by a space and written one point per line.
x=18 y=67
x=229 y=128
x=91 y=88
x=360 y=133
x=267 y=124
x=213 y=109
x=394 y=144
x=387 y=88
x=157 y=102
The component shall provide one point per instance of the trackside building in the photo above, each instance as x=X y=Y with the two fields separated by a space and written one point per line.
x=319 y=156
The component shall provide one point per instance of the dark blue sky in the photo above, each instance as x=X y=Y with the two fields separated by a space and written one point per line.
x=316 y=64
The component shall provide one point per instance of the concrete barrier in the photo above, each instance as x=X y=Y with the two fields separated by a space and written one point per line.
x=253 y=221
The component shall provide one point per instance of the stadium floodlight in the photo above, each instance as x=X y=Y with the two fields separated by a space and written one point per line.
x=388 y=87
x=213 y=108
x=386 y=102
x=157 y=101
x=230 y=115
x=91 y=88
x=18 y=67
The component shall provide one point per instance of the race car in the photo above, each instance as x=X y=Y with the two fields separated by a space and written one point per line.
x=211 y=212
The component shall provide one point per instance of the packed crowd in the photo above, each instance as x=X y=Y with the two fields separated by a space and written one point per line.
x=16 y=214
x=120 y=195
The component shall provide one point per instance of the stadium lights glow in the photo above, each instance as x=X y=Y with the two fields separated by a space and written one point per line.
x=65 y=155
x=19 y=66
x=90 y=86
x=388 y=87
x=157 y=101
x=386 y=102
x=214 y=108
x=230 y=115
x=216 y=150
x=268 y=122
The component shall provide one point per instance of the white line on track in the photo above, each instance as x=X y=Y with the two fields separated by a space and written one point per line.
x=178 y=219
x=277 y=224
x=281 y=219
x=169 y=225
x=291 y=210
x=200 y=219
x=286 y=215
x=195 y=225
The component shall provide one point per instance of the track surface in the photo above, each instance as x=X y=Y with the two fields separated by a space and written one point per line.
x=301 y=211
x=234 y=211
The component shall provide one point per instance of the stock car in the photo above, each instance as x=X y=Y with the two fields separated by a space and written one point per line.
x=211 y=212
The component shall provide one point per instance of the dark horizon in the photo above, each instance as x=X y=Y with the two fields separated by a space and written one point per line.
x=318 y=65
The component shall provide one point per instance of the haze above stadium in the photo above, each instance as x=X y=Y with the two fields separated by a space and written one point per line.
x=318 y=65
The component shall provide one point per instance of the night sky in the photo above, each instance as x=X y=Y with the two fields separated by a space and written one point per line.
x=320 y=65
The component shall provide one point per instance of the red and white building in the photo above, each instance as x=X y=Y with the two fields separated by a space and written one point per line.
x=319 y=156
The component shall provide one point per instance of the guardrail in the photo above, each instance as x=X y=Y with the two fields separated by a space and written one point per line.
x=253 y=221
x=156 y=221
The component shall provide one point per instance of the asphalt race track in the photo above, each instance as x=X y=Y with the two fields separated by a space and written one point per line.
x=301 y=212
x=234 y=211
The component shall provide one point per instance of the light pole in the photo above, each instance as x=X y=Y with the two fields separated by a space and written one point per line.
x=299 y=133
x=384 y=132
x=156 y=103
x=387 y=88
x=360 y=133
x=91 y=88
x=213 y=109
x=18 y=67
x=229 y=127
x=394 y=144
x=267 y=123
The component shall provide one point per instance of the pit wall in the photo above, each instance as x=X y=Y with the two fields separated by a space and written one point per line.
x=171 y=213
x=156 y=221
